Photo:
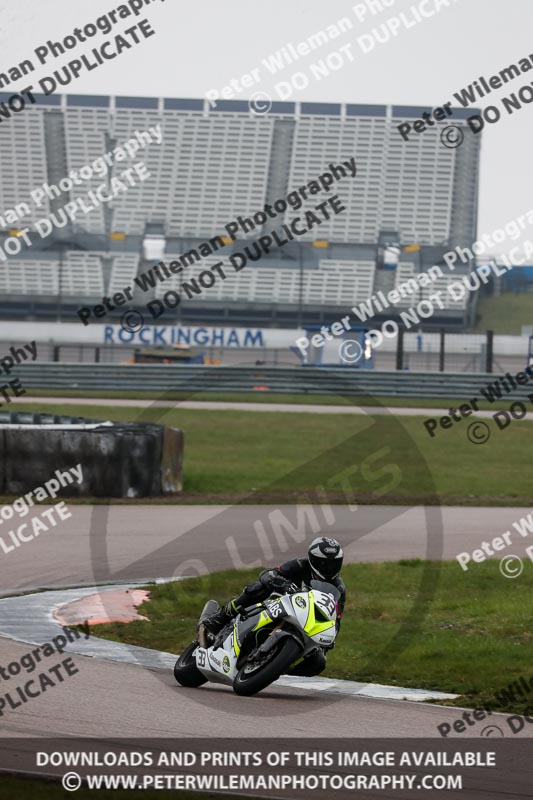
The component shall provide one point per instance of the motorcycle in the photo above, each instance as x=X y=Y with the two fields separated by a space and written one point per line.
x=263 y=641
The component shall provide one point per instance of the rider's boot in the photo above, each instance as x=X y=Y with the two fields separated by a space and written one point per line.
x=312 y=665
x=219 y=619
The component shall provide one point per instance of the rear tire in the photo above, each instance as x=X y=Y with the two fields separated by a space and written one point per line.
x=185 y=670
x=287 y=652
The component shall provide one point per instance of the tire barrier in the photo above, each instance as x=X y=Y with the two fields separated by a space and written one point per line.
x=119 y=459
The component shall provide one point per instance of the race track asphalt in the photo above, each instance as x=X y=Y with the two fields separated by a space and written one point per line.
x=126 y=543
x=222 y=405
x=103 y=544
x=106 y=699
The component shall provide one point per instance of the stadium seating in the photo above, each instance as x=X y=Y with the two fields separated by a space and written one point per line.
x=406 y=271
x=23 y=166
x=335 y=283
x=81 y=275
x=124 y=269
x=86 y=140
x=25 y=277
x=215 y=164
x=205 y=172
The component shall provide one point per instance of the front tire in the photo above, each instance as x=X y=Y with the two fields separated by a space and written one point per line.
x=249 y=683
x=185 y=670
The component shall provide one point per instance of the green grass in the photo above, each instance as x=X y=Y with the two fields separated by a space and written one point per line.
x=15 y=788
x=256 y=457
x=266 y=398
x=244 y=397
x=505 y=314
x=411 y=623
x=229 y=397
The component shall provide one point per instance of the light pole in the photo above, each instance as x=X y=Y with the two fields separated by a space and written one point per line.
x=301 y=285
x=60 y=283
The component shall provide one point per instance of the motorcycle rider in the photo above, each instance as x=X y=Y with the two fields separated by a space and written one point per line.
x=323 y=563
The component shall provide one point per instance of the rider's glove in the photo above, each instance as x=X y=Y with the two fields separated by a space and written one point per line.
x=267 y=576
x=274 y=581
x=280 y=584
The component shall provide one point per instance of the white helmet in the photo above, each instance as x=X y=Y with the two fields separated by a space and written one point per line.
x=325 y=558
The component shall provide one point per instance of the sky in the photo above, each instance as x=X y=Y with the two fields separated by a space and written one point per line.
x=201 y=46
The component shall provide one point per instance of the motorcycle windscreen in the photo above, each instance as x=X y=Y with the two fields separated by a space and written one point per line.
x=327 y=588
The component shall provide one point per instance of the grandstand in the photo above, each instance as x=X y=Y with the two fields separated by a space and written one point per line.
x=214 y=164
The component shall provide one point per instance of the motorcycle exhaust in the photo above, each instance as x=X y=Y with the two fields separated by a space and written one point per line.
x=210 y=608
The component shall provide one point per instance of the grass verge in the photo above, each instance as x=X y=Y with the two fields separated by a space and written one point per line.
x=253 y=457
x=505 y=314
x=474 y=638
x=266 y=398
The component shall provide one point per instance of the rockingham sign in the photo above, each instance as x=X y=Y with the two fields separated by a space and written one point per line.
x=149 y=335
x=191 y=335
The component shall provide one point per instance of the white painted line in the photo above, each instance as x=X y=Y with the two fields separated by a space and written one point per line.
x=375 y=690
x=220 y=405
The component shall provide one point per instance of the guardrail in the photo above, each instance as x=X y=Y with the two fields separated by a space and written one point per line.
x=290 y=380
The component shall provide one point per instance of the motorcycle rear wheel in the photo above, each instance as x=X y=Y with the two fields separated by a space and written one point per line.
x=249 y=683
x=185 y=670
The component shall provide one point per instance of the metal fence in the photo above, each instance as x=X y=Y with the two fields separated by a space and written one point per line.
x=427 y=352
x=162 y=378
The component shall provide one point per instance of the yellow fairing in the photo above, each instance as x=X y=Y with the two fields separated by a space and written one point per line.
x=264 y=619
x=312 y=626
x=236 y=647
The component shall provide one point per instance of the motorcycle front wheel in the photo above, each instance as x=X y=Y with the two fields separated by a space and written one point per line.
x=256 y=675
x=185 y=670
